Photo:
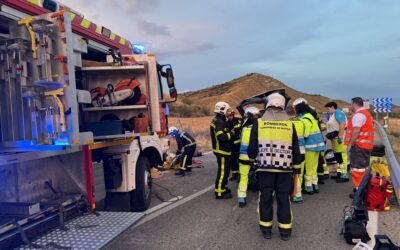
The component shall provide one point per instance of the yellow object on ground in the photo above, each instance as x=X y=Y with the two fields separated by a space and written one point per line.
x=155 y=174
x=380 y=166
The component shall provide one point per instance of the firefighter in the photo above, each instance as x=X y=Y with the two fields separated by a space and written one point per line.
x=245 y=163
x=235 y=125
x=314 y=144
x=220 y=138
x=359 y=139
x=336 y=126
x=273 y=141
x=186 y=148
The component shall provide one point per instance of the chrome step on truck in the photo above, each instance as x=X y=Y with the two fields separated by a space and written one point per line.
x=74 y=172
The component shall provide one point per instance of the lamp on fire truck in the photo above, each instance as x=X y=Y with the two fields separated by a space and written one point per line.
x=138 y=48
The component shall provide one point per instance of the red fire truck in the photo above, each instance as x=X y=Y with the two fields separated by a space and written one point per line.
x=82 y=121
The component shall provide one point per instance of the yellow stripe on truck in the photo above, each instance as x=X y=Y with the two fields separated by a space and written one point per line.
x=72 y=16
x=122 y=41
x=85 y=23
x=35 y=2
x=112 y=36
x=98 y=29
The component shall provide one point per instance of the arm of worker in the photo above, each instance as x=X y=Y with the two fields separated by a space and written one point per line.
x=307 y=127
x=252 y=150
x=238 y=129
x=180 y=145
x=296 y=155
x=221 y=135
x=354 y=135
x=340 y=117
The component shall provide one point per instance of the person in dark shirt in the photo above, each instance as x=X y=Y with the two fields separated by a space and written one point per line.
x=186 y=148
x=235 y=125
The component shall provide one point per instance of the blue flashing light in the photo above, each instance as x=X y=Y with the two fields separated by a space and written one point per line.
x=138 y=48
x=64 y=140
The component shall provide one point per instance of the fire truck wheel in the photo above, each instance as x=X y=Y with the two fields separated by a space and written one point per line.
x=141 y=196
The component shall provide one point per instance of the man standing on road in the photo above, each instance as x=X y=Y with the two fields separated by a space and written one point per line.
x=221 y=142
x=336 y=126
x=359 y=140
x=235 y=125
x=273 y=141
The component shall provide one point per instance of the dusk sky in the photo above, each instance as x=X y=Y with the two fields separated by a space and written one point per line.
x=336 y=48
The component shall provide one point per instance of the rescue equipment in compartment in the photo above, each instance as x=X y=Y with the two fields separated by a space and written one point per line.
x=126 y=92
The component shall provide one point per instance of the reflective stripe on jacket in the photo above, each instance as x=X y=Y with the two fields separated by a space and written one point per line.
x=300 y=129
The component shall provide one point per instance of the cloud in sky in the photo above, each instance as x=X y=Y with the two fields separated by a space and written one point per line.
x=336 y=48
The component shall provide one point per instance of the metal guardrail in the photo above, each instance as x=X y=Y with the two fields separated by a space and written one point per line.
x=394 y=165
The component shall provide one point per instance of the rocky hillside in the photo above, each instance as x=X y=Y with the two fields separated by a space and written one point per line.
x=201 y=102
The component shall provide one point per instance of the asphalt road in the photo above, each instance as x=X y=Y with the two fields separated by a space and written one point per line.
x=198 y=221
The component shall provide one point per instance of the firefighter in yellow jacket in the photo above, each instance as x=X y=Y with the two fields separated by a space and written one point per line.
x=273 y=141
x=245 y=163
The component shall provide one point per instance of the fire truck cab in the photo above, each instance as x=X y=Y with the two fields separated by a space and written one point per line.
x=83 y=119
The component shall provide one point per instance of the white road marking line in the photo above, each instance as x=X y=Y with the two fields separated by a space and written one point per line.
x=372 y=227
x=168 y=207
x=164 y=204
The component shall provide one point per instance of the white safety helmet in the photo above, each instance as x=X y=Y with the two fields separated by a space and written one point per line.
x=252 y=110
x=298 y=101
x=173 y=130
x=221 y=108
x=276 y=100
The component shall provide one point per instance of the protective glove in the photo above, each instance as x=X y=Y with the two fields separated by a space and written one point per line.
x=339 y=140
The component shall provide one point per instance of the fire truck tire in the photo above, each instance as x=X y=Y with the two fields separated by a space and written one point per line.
x=141 y=196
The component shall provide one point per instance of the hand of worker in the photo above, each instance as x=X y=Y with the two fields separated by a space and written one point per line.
x=339 y=140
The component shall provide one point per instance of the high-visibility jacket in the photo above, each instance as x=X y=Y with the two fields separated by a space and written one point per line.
x=314 y=140
x=366 y=138
x=275 y=139
x=300 y=129
x=244 y=145
x=220 y=136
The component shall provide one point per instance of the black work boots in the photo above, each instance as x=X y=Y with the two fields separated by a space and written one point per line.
x=223 y=196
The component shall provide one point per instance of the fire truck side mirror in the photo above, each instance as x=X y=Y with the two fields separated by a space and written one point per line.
x=170 y=78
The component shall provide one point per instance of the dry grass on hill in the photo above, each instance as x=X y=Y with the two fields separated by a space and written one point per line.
x=200 y=103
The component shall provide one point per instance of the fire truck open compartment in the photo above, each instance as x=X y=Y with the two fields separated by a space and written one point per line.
x=55 y=165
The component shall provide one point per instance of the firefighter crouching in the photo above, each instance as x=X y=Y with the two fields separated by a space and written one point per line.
x=273 y=141
x=186 y=149
x=245 y=163
x=221 y=142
